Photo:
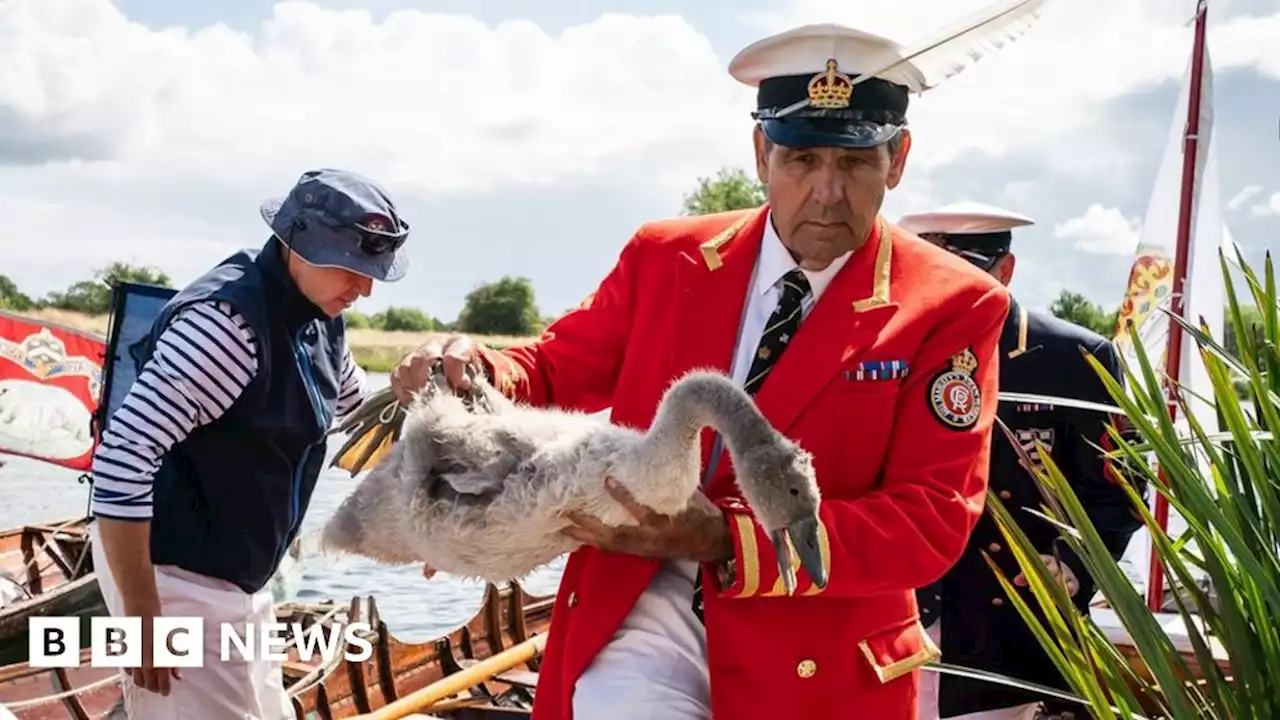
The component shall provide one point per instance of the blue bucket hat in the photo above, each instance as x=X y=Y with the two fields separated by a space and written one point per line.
x=338 y=218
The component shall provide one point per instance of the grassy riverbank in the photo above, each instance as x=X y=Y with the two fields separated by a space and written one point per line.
x=375 y=350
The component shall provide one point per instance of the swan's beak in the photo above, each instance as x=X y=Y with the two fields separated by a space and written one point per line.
x=802 y=535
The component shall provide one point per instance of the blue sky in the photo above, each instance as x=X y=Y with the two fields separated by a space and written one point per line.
x=149 y=131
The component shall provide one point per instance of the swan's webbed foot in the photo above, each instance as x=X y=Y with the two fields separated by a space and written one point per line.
x=802 y=535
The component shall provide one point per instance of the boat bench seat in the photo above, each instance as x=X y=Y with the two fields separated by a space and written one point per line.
x=521 y=678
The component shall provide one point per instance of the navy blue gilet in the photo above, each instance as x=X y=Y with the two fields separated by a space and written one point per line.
x=229 y=499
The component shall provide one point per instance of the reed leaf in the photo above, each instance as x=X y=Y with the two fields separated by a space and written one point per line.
x=1221 y=475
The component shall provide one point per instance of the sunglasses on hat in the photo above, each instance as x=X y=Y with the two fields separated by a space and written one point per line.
x=376 y=237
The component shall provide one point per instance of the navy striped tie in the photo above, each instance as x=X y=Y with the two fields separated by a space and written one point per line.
x=776 y=337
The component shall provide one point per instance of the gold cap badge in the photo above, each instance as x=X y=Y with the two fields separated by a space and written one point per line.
x=830 y=89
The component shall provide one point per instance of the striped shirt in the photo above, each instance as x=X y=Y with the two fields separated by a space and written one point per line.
x=202 y=363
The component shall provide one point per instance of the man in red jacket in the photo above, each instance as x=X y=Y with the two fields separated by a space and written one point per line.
x=871 y=348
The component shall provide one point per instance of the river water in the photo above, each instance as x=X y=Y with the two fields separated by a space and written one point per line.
x=414 y=608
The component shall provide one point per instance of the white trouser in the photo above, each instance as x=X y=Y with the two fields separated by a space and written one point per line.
x=655 y=667
x=928 y=698
x=929 y=694
x=237 y=689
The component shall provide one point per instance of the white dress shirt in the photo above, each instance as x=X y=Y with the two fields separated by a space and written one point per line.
x=655 y=667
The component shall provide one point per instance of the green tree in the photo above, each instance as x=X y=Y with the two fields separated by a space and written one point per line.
x=357 y=320
x=1251 y=319
x=403 y=319
x=1073 y=307
x=93 y=297
x=504 y=307
x=11 y=298
x=728 y=190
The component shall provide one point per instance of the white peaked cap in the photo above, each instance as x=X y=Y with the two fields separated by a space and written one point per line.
x=806 y=50
x=964 y=218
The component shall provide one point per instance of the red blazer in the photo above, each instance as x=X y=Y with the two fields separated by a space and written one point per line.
x=901 y=461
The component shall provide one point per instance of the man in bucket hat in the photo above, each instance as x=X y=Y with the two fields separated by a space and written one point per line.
x=204 y=473
x=326 y=210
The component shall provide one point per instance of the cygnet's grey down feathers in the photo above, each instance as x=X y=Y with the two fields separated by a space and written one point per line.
x=483 y=494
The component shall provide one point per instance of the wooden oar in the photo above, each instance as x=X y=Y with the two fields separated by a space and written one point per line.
x=447 y=687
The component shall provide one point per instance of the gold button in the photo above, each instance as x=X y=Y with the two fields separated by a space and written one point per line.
x=997 y=601
x=573 y=599
x=1005 y=494
x=806 y=668
x=994 y=547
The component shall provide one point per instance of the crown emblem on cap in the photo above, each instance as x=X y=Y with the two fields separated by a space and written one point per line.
x=964 y=362
x=831 y=88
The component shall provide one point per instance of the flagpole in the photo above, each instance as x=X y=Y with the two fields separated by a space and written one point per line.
x=1173 y=348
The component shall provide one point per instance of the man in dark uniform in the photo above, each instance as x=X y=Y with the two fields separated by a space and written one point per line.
x=967 y=612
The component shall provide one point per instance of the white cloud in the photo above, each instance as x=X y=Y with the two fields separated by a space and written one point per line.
x=1271 y=207
x=1246 y=194
x=1100 y=230
x=119 y=141
x=442 y=102
x=518 y=150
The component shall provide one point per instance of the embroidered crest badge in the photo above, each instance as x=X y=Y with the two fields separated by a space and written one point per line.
x=954 y=395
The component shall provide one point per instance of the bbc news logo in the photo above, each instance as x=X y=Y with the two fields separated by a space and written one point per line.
x=178 y=642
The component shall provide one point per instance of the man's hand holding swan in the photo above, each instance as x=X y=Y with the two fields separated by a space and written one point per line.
x=700 y=532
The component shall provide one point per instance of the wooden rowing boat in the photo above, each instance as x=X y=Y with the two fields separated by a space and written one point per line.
x=45 y=570
x=76 y=693
x=341 y=690
x=508 y=617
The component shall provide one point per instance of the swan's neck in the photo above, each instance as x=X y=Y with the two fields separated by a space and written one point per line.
x=705 y=400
